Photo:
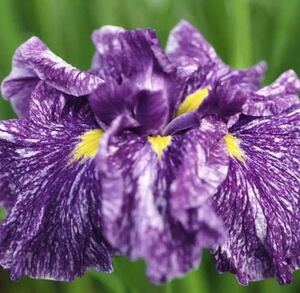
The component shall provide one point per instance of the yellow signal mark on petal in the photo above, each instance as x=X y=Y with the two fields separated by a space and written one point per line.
x=233 y=147
x=88 y=146
x=192 y=101
x=159 y=143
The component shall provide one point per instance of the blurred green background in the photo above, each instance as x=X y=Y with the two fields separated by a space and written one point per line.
x=242 y=31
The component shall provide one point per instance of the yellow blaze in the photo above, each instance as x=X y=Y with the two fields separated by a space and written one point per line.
x=88 y=146
x=159 y=143
x=192 y=102
x=233 y=147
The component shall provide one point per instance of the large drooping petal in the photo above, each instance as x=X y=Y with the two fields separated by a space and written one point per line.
x=259 y=200
x=275 y=98
x=203 y=168
x=53 y=229
x=33 y=62
x=141 y=200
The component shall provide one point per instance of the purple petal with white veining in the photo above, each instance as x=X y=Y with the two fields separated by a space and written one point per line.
x=33 y=62
x=189 y=50
x=127 y=53
x=138 y=75
x=204 y=168
x=137 y=195
x=138 y=57
x=259 y=200
x=53 y=231
x=107 y=59
x=275 y=98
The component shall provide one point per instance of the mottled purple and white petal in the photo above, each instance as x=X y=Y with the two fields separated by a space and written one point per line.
x=53 y=230
x=125 y=53
x=137 y=66
x=107 y=59
x=33 y=62
x=259 y=200
x=198 y=62
x=188 y=49
x=275 y=98
x=204 y=167
x=137 y=174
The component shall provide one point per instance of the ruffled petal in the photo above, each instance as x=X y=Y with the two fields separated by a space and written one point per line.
x=107 y=59
x=133 y=62
x=259 y=200
x=189 y=50
x=33 y=62
x=140 y=199
x=203 y=169
x=275 y=98
x=53 y=230
x=126 y=53
x=146 y=107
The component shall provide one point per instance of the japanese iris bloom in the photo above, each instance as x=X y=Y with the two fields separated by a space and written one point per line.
x=150 y=154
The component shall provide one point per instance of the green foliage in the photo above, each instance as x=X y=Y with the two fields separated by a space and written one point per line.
x=242 y=31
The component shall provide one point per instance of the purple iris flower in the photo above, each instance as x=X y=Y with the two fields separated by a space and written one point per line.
x=151 y=154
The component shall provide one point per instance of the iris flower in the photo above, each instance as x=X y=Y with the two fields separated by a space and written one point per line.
x=151 y=154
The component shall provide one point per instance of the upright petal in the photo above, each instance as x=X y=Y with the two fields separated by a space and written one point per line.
x=189 y=50
x=33 y=62
x=259 y=200
x=107 y=59
x=135 y=62
x=139 y=201
x=275 y=98
x=53 y=230
x=147 y=108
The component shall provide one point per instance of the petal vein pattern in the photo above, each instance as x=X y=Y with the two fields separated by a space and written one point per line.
x=53 y=228
x=259 y=200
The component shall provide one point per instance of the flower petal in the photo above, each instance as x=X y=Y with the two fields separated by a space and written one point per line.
x=259 y=200
x=53 y=231
x=189 y=50
x=33 y=62
x=126 y=53
x=134 y=64
x=107 y=59
x=276 y=97
x=203 y=169
x=146 y=107
x=137 y=178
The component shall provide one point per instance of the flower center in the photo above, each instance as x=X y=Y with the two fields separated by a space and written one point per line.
x=192 y=101
x=159 y=143
x=88 y=146
x=233 y=147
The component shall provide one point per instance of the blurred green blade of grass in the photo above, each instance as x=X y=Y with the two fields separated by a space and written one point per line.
x=287 y=22
x=195 y=281
x=10 y=38
x=240 y=24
